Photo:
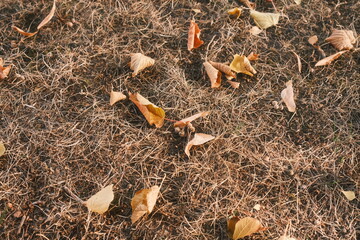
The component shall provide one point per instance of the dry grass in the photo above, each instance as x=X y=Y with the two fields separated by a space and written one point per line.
x=60 y=131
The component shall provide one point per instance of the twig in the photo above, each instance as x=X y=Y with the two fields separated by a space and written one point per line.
x=73 y=195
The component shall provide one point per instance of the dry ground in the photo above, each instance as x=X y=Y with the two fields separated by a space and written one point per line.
x=60 y=131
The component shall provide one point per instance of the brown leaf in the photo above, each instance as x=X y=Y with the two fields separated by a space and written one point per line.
x=152 y=113
x=287 y=96
x=18 y=214
x=313 y=39
x=22 y=32
x=4 y=71
x=255 y=30
x=183 y=122
x=241 y=64
x=140 y=62
x=235 y=12
x=143 y=202
x=2 y=149
x=214 y=75
x=234 y=84
x=253 y=56
x=199 y=138
x=342 y=39
x=329 y=59
x=248 y=4
x=115 y=97
x=100 y=201
x=223 y=68
x=239 y=228
x=194 y=36
x=286 y=238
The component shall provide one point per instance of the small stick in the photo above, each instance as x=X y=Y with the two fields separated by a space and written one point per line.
x=73 y=195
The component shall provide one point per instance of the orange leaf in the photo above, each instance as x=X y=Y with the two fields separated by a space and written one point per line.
x=234 y=84
x=194 y=36
x=329 y=59
x=140 y=62
x=22 y=32
x=214 y=75
x=287 y=96
x=236 y=12
x=143 y=202
x=4 y=71
x=253 y=56
x=223 y=68
x=115 y=97
x=199 y=138
x=241 y=64
x=183 y=122
x=152 y=113
x=342 y=39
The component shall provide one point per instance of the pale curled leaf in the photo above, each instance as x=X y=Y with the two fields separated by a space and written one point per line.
x=235 y=12
x=143 y=202
x=152 y=113
x=329 y=59
x=342 y=39
x=234 y=84
x=313 y=39
x=199 y=139
x=241 y=64
x=265 y=20
x=115 y=97
x=298 y=2
x=24 y=33
x=2 y=149
x=183 y=122
x=257 y=207
x=350 y=195
x=100 y=202
x=255 y=30
x=194 y=36
x=253 y=56
x=239 y=228
x=140 y=62
x=287 y=96
x=4 y=71
x=223 y=68
x=213 y=74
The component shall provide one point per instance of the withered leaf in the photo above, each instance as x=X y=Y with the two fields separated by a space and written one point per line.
x=140 y=62
x=199 y=139
x=342 y=39
x=329 y=59
x=248 y=3
x=4 y=71
x=224 y=69
x=234 y=84
x=298 y=61
x=2 y=149
x=241 y=64
x=115 y=97
x=298 y=2
x=350 y=195
x=100 y=202
x=239 y=228
x=183 y=122
x=194 y=36
x=313 y=39
x=287 y=96
x=235 y=12
x=253 y=56
x=255 y=30
x=143 y=202
x=214 y=75
x=265 y=20
x=286 y=238
x=152 y=113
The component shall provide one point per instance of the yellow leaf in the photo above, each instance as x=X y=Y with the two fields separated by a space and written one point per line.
x=264 y=20
x=255 y=30
x=183 y=122
x=100 y=202
x=350 y=195
x=143 y=202
x=152 y=113
x=2 y=149
x=140 y=62
x=224 y=69
x=329 y=59
x=115 y=97
x=194 y=36
x=4 y=71
x=287 y=96
x=236 y=12
x=239 y=228
x=342 y=39
x=241 y=64
x=199 y=139
x=214 y=75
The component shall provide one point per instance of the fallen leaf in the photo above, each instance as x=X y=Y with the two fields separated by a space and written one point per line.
x=4 y=71
x=313 y=39
x=255 y=30
x=196 y=10
x=199 y=139
x=241 y=64
x=100 y=202
x=286 y=238
x=214 y=75
x=342 y=39
x=17 y=214
x=235 y=12
x=253 y=56
x=143 y=202
x=2 y=149
x=350 y=195
x=115 y=97
x=329 y=59
x=298 y=2
x=298 y=61
x=224 y=69
x=264 y=20
x=234 y=84
x=248 y=4
x=43 y=23
x=257 y=207
x=194 y=36
x=152 y=113
x=183 y=122
x=287 y=96
x=140 y=62
x=239 y=228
